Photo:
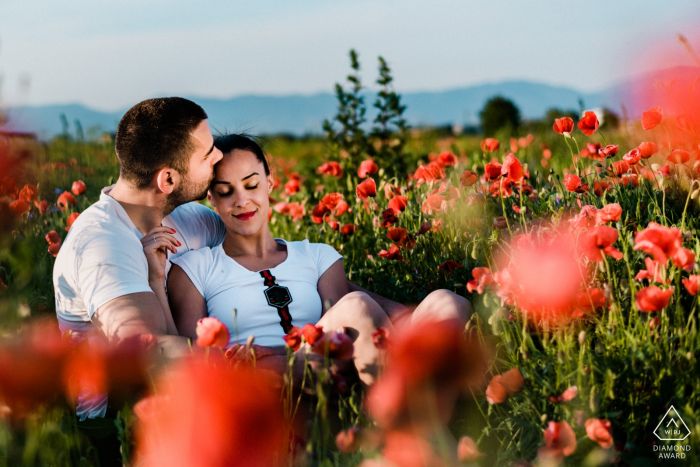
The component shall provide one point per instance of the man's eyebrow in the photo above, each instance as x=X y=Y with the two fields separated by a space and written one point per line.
x=210 y=151
x=221 y=182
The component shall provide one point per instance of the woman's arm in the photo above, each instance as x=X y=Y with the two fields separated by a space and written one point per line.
x=155 y=245
x=187 y=304
x=332 y=285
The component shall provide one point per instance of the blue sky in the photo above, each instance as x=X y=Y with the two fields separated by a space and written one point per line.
x=109 y=55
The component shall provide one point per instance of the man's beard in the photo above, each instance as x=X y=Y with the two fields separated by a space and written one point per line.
x=186 y=192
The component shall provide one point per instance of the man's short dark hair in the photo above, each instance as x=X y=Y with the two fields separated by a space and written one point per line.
x=156 y=133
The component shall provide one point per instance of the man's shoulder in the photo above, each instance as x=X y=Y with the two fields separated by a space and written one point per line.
x=99 y=226
x=192 y=211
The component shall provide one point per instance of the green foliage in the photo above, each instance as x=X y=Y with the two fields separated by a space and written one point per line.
x=499 y=113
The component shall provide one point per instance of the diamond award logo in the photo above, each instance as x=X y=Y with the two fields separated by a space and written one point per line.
x=672 y=427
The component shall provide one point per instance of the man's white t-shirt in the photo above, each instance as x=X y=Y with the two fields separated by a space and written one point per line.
x=226 y=285
x=102 y=259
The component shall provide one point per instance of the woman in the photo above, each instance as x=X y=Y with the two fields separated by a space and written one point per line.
x=261 y=286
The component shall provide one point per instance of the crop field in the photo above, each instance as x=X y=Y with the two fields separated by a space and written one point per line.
x=574 y=241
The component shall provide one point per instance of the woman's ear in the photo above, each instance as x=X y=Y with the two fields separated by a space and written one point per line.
x=270 y=183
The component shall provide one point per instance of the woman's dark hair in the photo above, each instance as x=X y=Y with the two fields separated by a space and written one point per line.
x=243 y=142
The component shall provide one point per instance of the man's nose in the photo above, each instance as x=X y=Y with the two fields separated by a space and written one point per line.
x=217 y=156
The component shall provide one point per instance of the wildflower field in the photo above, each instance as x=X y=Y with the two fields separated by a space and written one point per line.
x=575 y=243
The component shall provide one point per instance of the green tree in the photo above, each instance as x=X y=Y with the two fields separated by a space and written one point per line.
x=499 y=113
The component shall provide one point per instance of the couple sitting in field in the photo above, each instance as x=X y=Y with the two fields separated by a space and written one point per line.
x=110 y=274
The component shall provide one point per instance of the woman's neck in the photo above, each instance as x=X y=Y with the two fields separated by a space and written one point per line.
x=259 y=245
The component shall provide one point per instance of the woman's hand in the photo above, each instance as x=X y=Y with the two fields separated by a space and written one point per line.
x=242 y=353
x=155 y=244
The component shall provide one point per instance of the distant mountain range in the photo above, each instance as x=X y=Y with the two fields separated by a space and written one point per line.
x=299 y=114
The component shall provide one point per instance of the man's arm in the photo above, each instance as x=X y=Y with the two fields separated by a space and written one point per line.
x=138 y=313
x=390 y=307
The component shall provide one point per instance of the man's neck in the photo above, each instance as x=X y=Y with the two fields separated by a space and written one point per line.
x=145 y=208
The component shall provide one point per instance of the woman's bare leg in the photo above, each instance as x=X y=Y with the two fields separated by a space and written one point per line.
x=442 y=305
x=360 y=316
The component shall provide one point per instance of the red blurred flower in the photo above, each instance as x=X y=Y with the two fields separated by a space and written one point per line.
x=293 y=338
x=334 y=224
x=381 y=338
x=426 y=227
x=652 y=298
x=42 y=206
x=609 y=213
x=54 y=248
x=648 y=149
x=388 y=218
x=659 y=241
x=446 y=159
x=393 y=253
x=19 y=207
x=599 y=187
x=568 y=395
x=599 y=431
x=331 y=168
x=467 y=450
x=502 y=387
x=28 y=193
x=78 y=188
x=467 y=179
x=435 y=203
x=348 y=441
x=312 y=333
x=684 y=258
x=482 y=278
x=318 y=213
x=348 y=229
x=691 y=284
x=679 y=156
x=366 y=189
x=449 y=266
x=367 y=168
x=398 y=204
x=71 y=219
x=429 y=173
x=593 y=149
x=563 y=125
x=588 y=123
x=653 y=271
x=492 y=170
x=609 y=151
x=619 y=168
x=590 y=300
x=512 y=169
x=331 y=200
x=400 y=236
x=211 y=333
x=53 y=237
x=651 y=118
x=490 y=145
x=560 y=440
x=65 y=200
x=243 y=416
x=597 y=242
x=336 y=345
x=572 y=183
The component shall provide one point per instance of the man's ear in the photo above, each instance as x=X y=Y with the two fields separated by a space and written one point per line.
x=167 y=179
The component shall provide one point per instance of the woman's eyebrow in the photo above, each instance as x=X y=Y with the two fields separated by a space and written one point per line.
x=254 y=173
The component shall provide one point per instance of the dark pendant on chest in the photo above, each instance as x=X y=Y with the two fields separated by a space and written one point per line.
x=278 y=297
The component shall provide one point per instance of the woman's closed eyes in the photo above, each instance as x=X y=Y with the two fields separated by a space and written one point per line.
x=229 y=192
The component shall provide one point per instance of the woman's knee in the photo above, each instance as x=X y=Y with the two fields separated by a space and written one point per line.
x=360 y=306
x=443 y=304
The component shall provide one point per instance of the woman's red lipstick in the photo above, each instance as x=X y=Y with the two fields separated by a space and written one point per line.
x=245 y=215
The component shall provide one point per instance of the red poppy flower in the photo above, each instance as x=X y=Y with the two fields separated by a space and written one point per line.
x=659 y=241
x=426 y=227
x=679 y=156
x=512 y=169
x=560 y=440
x=53 y=237
x=65 y=199
x=8 y=186
x=648 y=149
x=563 y=125
x=482 y=278
x=434 y=204
x=19 y=207
x=367 y=168
x=28 y=193
x=400 y=236
x=572 y=182
x=341 y=208
x=502 y=387
x=78 y=188
x=593 y=149
x=334 y=224
x=665 y=170
x=568 y=395
x=393 y=253
x=348 y=229
x=691 y=284
x=588 y=123
x=71 y=219
x=684 y=258
x=388 y=218
x=467 y=450
x=54 y=248
x=331 y=168
x=348 y=441
x=599 y=431
x=312 y=333
x=598 y=241
x=652 y=298
x=293 y=338
x=651 y=118
x=318 y=213
x=467 y=179
x=446 y=159
x=211 y=333
x=599 y=187
x=619 y=168
x=398 y=204
x=609 y=213
x=366 y=189
x=449 y=266
x=292 y=186
x=590 y=300
x=331 y=200
x=490 y=145
x=632 y=157
x=42 y=206
x=429 y=173
x=336 y=345
x=381 y=338
x=653 y=271
x=492 y=170
x=609 y=151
